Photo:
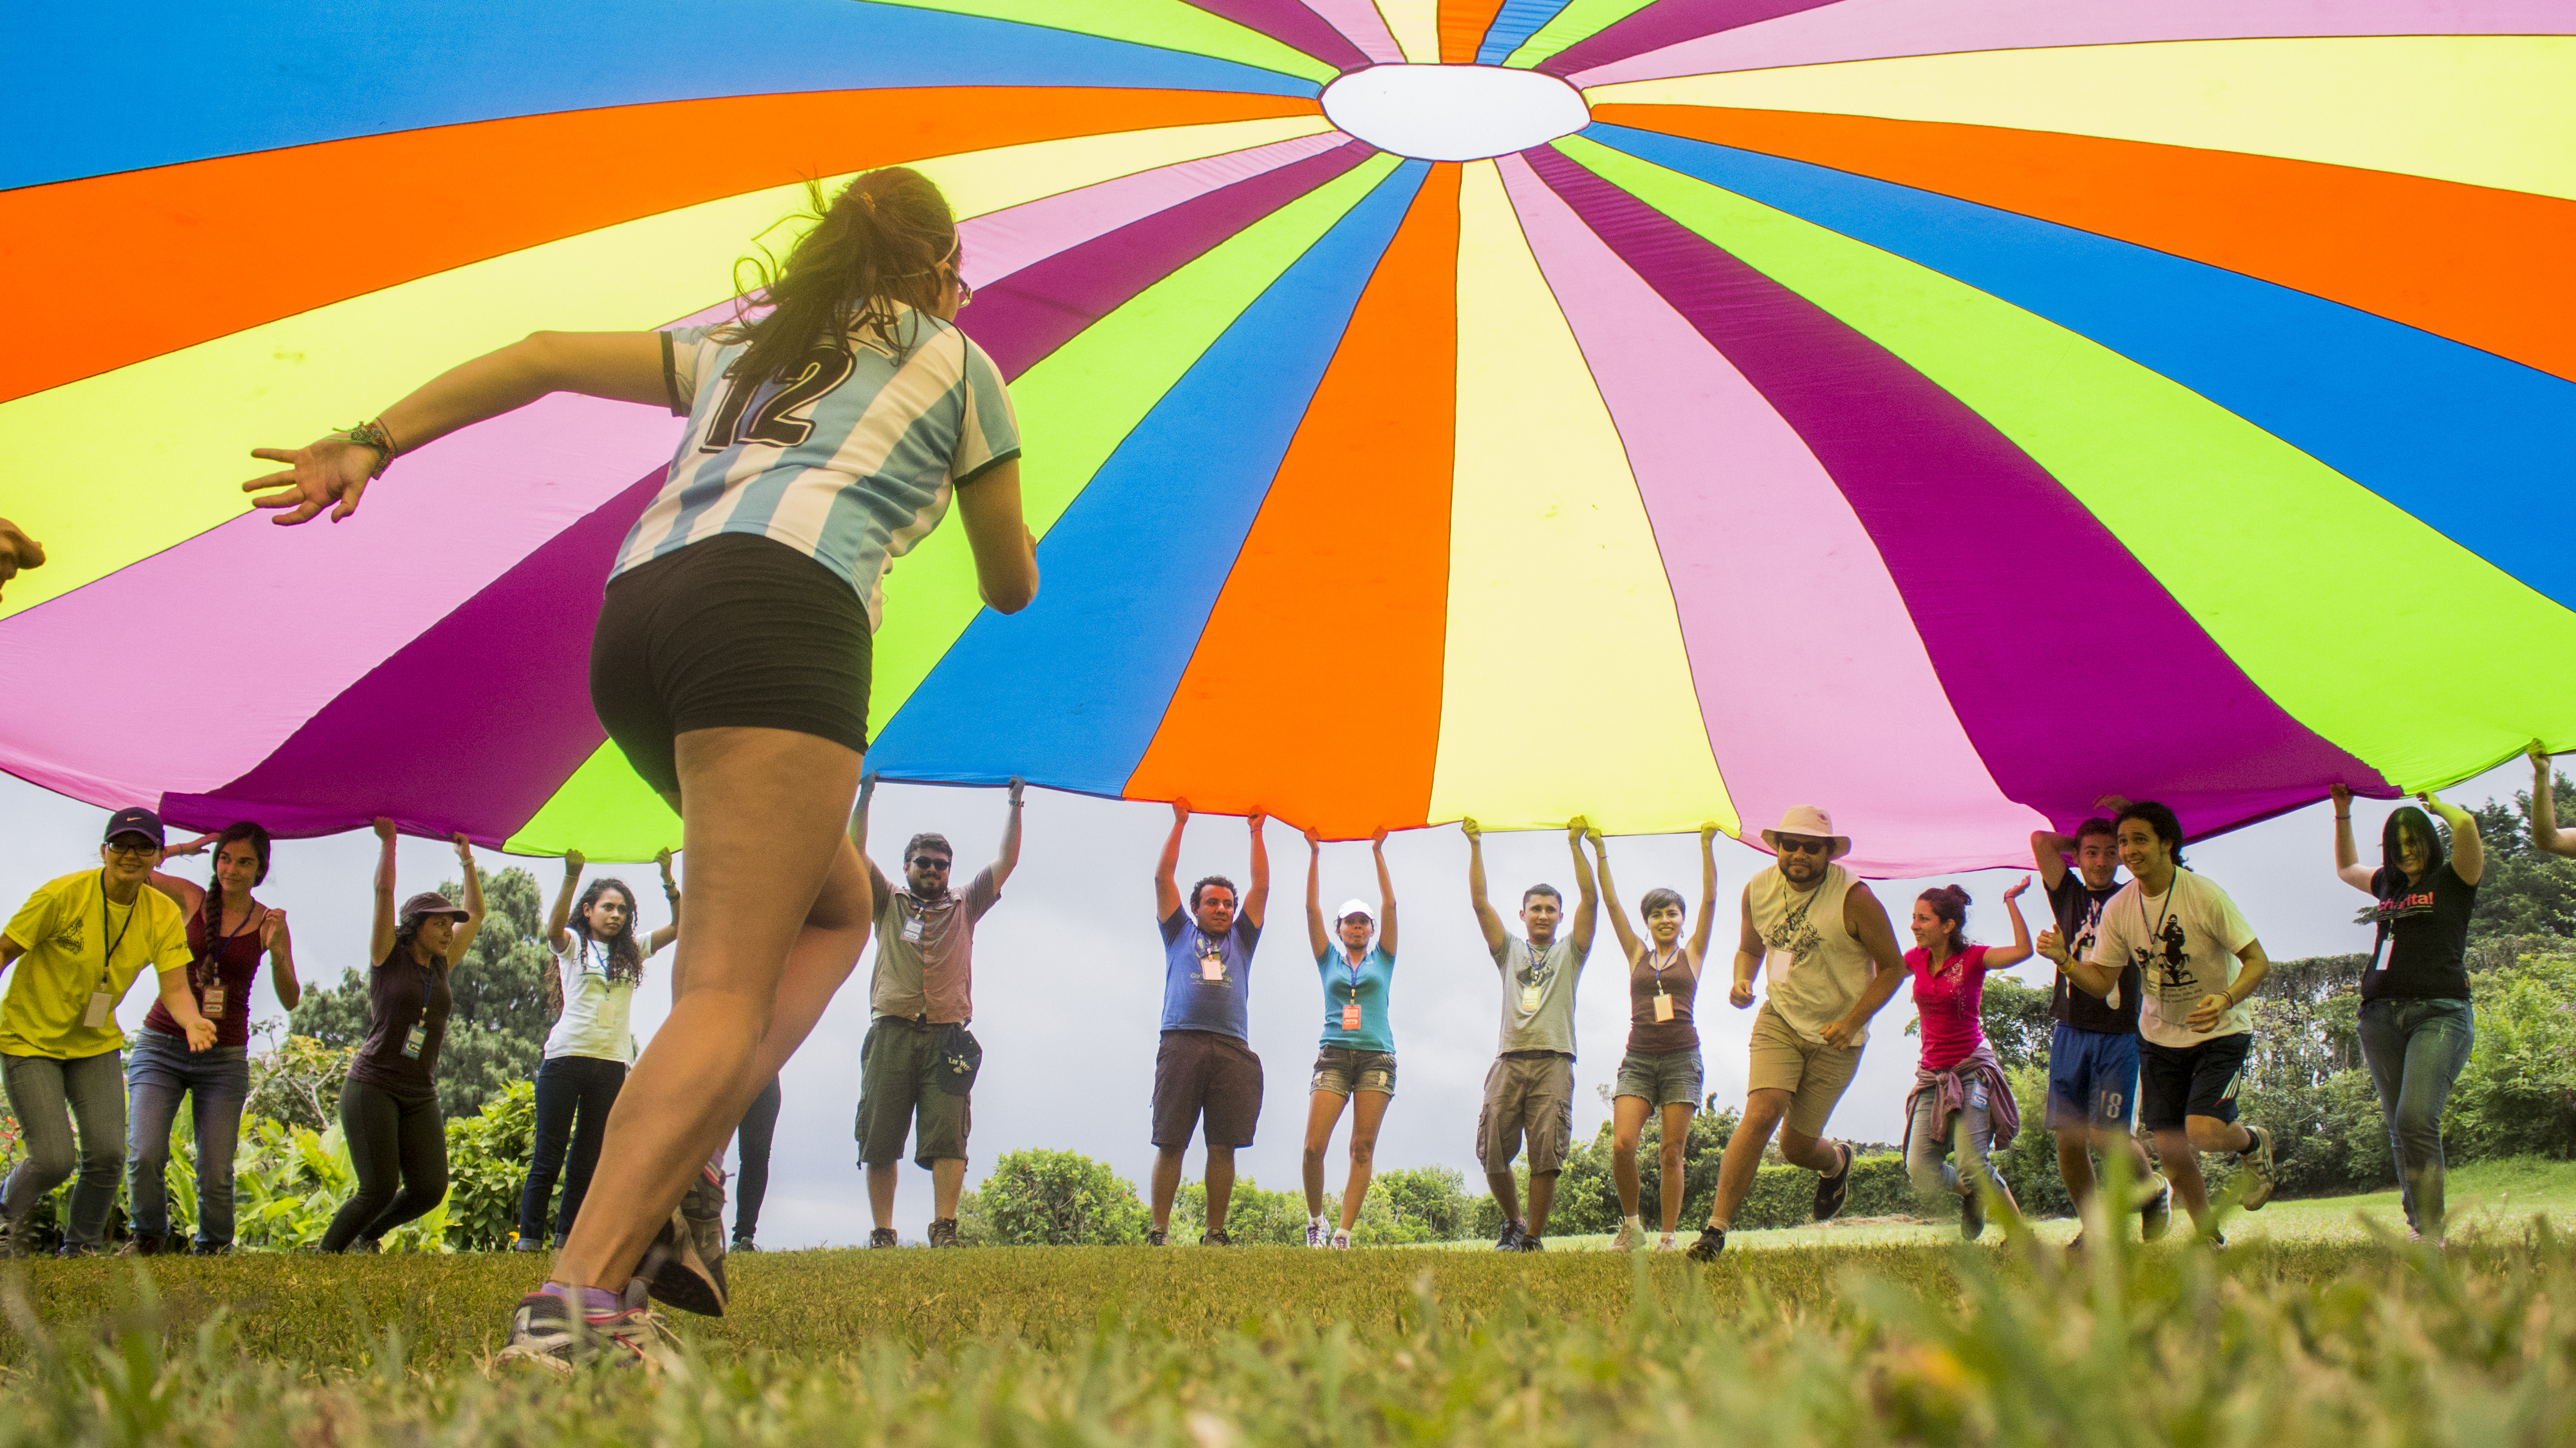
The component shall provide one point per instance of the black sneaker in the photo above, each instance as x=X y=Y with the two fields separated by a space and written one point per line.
x=1216 y=1238
x=527 y=1244
x=1712 y=1240
x=546 y=1332
x=1157 y=1237
x=1510 y=1240
x=1532 y=1243
x=883 y=1237
x=1831 y=1191
x=1972 y=1215
x=943 y=1232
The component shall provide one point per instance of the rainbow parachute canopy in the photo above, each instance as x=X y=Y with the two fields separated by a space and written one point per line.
x=1944 y=411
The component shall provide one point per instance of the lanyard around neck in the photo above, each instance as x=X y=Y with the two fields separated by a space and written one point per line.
x=107 y=962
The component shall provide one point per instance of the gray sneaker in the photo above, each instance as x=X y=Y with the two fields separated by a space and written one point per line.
x=2156 y=1217
x=679 y=1269
x=882 y=1237
x=1510 y=1240
x=2260 y=1179
x=547 y=1331
x=943 y=1232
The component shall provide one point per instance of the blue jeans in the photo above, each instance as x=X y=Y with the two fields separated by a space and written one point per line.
x=216 y=1082
x=2415 y=1050
x=47 y=1096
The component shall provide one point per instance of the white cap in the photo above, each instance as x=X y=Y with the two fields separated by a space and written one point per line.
x=1354 y=907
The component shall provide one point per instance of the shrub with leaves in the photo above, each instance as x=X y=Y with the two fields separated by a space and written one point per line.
x=1037 y=1197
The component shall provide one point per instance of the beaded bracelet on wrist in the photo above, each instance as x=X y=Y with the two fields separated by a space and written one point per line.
x=371 y=434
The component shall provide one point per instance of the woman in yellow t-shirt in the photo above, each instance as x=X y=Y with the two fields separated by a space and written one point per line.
x=76 y=945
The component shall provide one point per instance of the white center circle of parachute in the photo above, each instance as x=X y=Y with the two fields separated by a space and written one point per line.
x=1454 y=112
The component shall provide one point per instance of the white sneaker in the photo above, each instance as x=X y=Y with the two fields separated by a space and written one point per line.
x=1341 y=1241
x=1630 y=1237
x=1315 y=1234
x=1667 y=1244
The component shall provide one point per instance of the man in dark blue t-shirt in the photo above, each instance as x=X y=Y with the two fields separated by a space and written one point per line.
x=2093 y=1053
x=1206 y=1064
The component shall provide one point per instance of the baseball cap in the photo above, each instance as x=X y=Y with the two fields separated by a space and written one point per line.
x=427 y=903
x=1354 y=907
x=135 y=821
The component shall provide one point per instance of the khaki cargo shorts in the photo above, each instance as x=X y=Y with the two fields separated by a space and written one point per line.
x=1527 y=1093
x=1814 y=1074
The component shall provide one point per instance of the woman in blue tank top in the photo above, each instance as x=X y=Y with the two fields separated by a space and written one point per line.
x=1356 y=959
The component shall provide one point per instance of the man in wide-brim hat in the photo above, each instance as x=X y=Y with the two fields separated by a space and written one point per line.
x=1833 y=962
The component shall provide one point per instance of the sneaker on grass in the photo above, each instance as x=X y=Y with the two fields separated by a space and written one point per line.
x=1510 y=1240
x=1666 y=1243
x=2156 y=1217
x=1531 y=1243
x=2260 y=1179
x=679 y=1272
x=1712 y=1240
x=943 y=1232
x=1341 y=1240
x=1972 y=1215
x=550 y=1331
x=883 y=1237
x=1215 y=1237
x=1833 y=1191
x=1629 y=1237
x=1316 y=1236
x=1157 y=1237
x=743 y=1244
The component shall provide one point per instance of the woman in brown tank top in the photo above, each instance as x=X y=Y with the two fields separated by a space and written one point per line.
x=1661 y=1072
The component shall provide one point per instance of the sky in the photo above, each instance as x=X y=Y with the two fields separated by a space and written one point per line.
x=1069 y=970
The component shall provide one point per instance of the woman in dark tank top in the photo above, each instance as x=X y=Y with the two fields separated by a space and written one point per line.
x=228 y=932
x=1661 y=1074
x=389 y=1105
x=2416 y=1027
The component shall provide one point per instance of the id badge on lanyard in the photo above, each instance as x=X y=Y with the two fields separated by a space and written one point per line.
x=913 y=928
x=1211 y=960
x=417 y=1039
x=1663 y=1005
x=210 y=1001
x=1351 y=1008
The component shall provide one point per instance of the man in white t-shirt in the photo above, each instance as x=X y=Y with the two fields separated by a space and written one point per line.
x=2199 y=963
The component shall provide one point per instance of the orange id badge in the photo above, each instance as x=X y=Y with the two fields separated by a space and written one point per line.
x=1351 y=1016
x=212 y=1008
x=1663 y=1006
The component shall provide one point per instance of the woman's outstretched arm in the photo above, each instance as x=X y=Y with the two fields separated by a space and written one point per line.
x=1707 y=893
x=2017 y=952
x=557 y=935
x=332 y=472
x=1385 y=894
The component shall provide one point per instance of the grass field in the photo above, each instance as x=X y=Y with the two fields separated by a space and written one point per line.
x=2308 y=1330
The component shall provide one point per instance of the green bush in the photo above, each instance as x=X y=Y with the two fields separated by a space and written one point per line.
x=1058 y=1198
x=1253 y=1217
x=1423 y=1203
x=487 y=1164
x=299 y=1082
x=2518 y=1095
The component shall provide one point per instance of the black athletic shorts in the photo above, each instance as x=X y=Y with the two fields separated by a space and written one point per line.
x=736 y=631
x=2179 y=1081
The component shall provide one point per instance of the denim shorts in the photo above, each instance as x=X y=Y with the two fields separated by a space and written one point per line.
x=1341 y=1070
x=1672 y=1080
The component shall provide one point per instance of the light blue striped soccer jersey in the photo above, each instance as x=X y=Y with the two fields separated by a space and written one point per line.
x=851 y=460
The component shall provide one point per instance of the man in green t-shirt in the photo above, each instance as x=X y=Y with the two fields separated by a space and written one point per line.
x=76 y=945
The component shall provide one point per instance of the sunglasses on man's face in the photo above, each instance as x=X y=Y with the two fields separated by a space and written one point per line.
x=1792 y=845
x=133 y=850
x=928 y=862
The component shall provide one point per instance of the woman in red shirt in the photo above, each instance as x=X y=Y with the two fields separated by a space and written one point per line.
x=1960 y=1095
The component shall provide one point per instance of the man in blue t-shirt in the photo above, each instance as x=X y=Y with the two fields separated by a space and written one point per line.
x=1206 y=1063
